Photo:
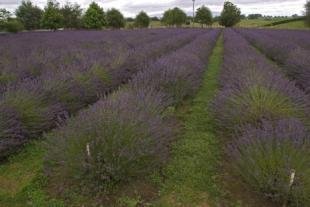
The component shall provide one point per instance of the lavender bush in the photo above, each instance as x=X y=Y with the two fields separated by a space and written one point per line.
x=253 y=89
x=127 y=134
x=265 y=119
x=115 y=140
x=66 y=91
x=293 y=58
x=266 y=157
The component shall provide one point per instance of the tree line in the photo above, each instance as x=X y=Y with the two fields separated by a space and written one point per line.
x=71 y=16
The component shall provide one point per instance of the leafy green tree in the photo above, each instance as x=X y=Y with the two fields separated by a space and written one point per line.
x=94 y=17
x=72 y=14
x=142 y=20
x=231 y=15
x=29 y=14
x=174 y=16
x=4 y=17
x=308 y=13
x=203 y=16
x=115 y=19
x=52 y=17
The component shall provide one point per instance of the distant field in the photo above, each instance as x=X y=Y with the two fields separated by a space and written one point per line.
x=254 y=22
x=250 y=23
x=292 y=25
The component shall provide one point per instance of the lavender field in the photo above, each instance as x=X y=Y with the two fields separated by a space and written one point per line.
x=155 y=117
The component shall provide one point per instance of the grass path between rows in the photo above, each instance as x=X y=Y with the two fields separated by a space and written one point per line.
x=21 y=179
x=192 y=175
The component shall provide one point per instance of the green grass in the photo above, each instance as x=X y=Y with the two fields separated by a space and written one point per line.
x=191 y=176
x=292 y=25
x=254 y=22
x=21 y=179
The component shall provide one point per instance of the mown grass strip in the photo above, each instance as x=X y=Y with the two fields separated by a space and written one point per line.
x=21 y=179
x=192 y=174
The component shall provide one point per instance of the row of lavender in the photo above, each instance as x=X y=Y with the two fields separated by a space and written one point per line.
x=266 y=118
x=36 y=106
x=127 y=134
x=292 y=52
x=31 y=56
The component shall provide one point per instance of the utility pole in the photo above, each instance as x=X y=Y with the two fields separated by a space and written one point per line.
x=193 y=12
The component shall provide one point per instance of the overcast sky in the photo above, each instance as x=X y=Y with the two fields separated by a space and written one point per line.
x=156 y=7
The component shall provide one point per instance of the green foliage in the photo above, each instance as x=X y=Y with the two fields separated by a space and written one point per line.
x=115 y=19
x=29 y=108
x=29 y=15
x=72 y=14
x=267 y=161
x=142 y=20
x=254 y=16
x=4 y=16
x=203 y=16
x=94 y=18
x=174 y=16
x=52 y=17
x=128 y=202
x=6 y=78
x=22 y=181
x=308 y=13
x=231 y=15
x=14 y=26
x=254 y=104
x=104 y=149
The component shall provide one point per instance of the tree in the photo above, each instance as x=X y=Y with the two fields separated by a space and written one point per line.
x=115 y=19
x=203 y=16
x=254 y=16
x=94 y=17
x=72 y=14
x=4 y=17
x=231 y=15
x=308 y=13
x=52 y=17
x=142 y=20
x=130 y=19
x=29 y=15
x=174 y=16
x=155 y=19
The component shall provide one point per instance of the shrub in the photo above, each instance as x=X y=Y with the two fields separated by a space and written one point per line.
x=265 y=158
x=115 y=19
x=250 y=105
x=14 y=26
x=253 y=89
x=116 y=140
x=142 y=20
x=22 y=116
